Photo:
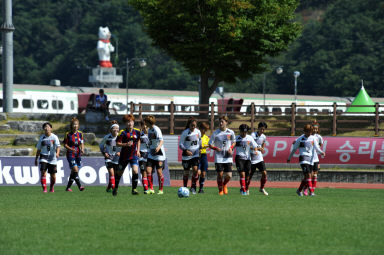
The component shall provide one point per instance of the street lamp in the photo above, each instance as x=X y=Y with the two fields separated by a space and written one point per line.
x=142 y=63
x=296 y=74
x=279 y=70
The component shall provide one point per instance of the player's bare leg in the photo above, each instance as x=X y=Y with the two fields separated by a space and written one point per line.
x=227 y=178
x=161 y=178
x=52 y=184
x=135 y=179
x=185 y=178
x=195 y=177
x=220 y=182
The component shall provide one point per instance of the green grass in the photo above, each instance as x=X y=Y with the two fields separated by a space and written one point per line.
x=93 y=222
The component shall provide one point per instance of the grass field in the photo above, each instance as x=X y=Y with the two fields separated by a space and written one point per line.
x=93 y=222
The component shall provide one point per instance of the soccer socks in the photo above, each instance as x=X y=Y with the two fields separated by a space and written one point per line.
x=247 y=183
x=226 y=180
x=185 y=180
x=117 y=181
x=145 y=183
x=242 y=184
x=309 y=183
x=150 y=181
x=314 y=182
x=302 y=184
x=201 y=182
x=135 y=180
x=112 y=181
x=43 y=181
x=161 y=182
x=53 y=181
x=220 y=183
x=263 y=181
x=77 y=179
x=71 y=180
x=194 y=180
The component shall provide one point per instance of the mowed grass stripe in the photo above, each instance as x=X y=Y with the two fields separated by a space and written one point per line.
x=337 y=221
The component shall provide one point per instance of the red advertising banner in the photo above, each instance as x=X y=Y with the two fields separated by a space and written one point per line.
x=338 y=150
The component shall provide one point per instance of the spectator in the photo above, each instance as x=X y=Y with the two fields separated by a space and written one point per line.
x=102 y=104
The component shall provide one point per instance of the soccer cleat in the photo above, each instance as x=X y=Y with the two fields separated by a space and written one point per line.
x=146 y=192
x=243 y=193
x=81 y=188
x=248 y=192
x=108 y=190
x=114 y=192
x=52 y=190
x=225 y=189
x=313 y=194
x=305 y=192
x=201 y=191
x=263 y=191
x=221 y=193
x=299 y=193
x=45 y=191
x=151 y=191
x=69 y=190
x=160 y=192
x=193 y=191
x=135 y=192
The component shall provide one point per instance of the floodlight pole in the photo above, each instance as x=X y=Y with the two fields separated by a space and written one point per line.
x=7 y=29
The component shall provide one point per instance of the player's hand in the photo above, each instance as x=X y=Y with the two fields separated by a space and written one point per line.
x=230 y=151
x=72 y=149
x=323 y=154
x=189 y=153
x=157 y=149
x=261 y=149
x=118 y=154
x=138 y=154
x=288 y=161
x=129 y=143
x=81 y=151
x=57 y=155
x=36 y=162
x=106 y=155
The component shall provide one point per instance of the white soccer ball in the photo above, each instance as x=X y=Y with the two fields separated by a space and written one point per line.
x=183 y=192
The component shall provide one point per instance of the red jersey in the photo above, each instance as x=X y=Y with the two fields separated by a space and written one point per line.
x=128 y=153
x=73 y=140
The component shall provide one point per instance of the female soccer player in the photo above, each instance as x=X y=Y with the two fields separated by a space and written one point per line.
x=129 y=140
x=48 y=150
x=244 y=145
x=223 y=142
x=190 y=144
x=156 y=156
x=143 y=156
x=74 y=143
x=316 y=164
x=111 y=153
x=203 y=165
x=306 y=144
x=257 y=159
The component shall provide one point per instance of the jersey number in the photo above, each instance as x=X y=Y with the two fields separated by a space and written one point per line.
x=193 y=143
x=48 y=148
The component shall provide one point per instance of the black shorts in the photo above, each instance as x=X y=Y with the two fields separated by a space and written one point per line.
x=44 y=166
x=307 y=169
x=260 y=166
x=143 y=166
x=316 y=167
x=110 y=165
x=155 y=164
x=243 y=165
x=226 y=167
x=187 y=164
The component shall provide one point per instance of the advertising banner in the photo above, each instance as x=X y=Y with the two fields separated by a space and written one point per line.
x=22 y=171
x=338 y=150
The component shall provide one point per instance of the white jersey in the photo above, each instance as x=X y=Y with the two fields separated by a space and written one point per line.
x=244 y=146
x=307 y=147
x=108 y=145
x=320 y=142
x=260 y=140
x=222 y=140
x=144 y=146
x=190 y=140
x=155 y=136
x=47 y=146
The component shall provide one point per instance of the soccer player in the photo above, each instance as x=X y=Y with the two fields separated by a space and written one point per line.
x=306 y=144
x=203 y=165
x=244 y=145
x=143 y=157
x=257 y=159
x=190 y=144
x=74 y=143
x=129 y=140
x=156 y=156
x=223 y=142
x=111 y=153
x=48 y=150
x=316 y=164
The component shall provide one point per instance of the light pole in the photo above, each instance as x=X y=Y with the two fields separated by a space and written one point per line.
x=296 y=74
x=142 y=63
x=279 y=70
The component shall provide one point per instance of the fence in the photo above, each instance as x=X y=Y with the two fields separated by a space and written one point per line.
x=285 y=119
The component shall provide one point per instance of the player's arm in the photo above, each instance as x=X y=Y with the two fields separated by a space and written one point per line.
x=37 y=157
x=317 y=148
x=294 y=149
x=102 y=147
x=57 y=147
x=138 y=146
x=119 y=141
x=211 y=143
x=254 y=146
x=82 y=145
x=159 y=146
x=233 y=144
x=159 y=136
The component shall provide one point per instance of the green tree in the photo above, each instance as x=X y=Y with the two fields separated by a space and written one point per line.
x=220 y=40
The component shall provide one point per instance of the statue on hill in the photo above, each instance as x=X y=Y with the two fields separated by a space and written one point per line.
x=104 y=47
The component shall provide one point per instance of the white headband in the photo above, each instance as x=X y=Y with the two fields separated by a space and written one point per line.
x=114 y=125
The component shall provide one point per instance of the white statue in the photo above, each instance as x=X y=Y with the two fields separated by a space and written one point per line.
x=104 y=47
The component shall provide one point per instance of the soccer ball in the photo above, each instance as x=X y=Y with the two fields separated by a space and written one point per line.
x=183 y=192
